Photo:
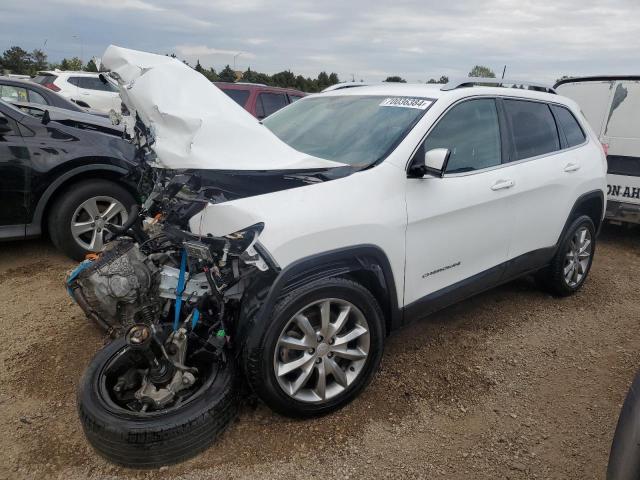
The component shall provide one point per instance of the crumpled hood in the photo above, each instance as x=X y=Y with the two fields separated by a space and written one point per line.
x=194 y=124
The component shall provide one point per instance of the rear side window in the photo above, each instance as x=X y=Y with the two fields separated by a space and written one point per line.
x=238 y=96
x=269 y=103
x=569 y=125
x=91 y=83
x=293 y=98
x=533 y=127
x=471 y=132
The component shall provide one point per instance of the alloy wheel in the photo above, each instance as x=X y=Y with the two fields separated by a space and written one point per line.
x=578 y=257
x=322 y=350
x=89 y=219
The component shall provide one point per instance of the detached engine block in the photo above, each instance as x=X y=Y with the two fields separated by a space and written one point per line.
x=118 y=289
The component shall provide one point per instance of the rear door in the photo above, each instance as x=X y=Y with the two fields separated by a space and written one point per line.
x=546 y=178
x=96 y=94
x=14 y=178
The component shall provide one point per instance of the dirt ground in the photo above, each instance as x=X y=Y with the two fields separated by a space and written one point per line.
x=510 y=384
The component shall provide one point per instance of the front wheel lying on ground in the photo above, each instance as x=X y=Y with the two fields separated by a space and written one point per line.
x=170 y=424
x=318 y=349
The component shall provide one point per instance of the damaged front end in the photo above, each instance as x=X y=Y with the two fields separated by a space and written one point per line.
x=174 y=296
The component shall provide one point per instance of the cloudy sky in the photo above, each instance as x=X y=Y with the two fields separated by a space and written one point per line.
x=417 y=39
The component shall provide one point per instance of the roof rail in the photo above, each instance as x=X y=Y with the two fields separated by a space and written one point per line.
x=498 y=82
x=343 y=85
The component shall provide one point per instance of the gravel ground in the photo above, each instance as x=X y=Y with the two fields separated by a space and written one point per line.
x=510 y=384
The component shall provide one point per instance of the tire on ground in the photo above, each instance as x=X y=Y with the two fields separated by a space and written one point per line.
x=551 y=278
x=60 y=213
x=259 y=346
x=151 y=441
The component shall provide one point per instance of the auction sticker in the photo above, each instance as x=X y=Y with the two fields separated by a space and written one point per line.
x=406 y=102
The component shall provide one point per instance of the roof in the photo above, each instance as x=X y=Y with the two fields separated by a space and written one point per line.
x=238 y=85
x=17 y=81
x=70 y=72
x=435 y=91
x=596 y=78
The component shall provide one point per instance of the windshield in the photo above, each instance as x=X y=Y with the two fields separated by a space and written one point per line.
x=352 y=129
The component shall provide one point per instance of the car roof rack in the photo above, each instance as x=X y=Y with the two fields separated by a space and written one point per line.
x=498 y=82
x=343 y=85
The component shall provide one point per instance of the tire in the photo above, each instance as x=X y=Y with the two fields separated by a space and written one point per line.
x=553 y=278
x=624 y=458
x=150 y=441
x=262 y=350
x=69 y=201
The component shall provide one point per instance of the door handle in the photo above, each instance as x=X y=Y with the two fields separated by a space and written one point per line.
x=502 y=184
x=571 y=167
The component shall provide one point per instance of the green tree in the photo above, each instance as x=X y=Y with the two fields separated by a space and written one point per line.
x=323 y=81
x=17 y=60
x=198 y=68
x=333 y=78
x=38 y=61
x=284 y=79
x=74 y=64
x=395 y=79
x=211 y=75
x=442 y=79
x=227 y=75
x=91 y=66
x=482 y=71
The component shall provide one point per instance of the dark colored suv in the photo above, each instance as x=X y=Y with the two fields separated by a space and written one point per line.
x=260 y=100
x=64 y=176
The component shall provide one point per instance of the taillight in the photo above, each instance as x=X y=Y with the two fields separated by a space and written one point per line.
x=605 y=148
x=51 y=86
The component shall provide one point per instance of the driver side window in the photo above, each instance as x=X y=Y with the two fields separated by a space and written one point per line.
x=471 y=132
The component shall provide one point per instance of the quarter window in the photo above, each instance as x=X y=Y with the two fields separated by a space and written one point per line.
x=570 y=126
x=35 y=97
x=471 y=132
x=533 y=127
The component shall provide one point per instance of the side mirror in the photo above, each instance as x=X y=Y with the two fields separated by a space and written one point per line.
x=4 y=125
x=434 y=163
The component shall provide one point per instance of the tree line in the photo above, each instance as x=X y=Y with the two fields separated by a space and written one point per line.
x=19 y=61
x=16 y=60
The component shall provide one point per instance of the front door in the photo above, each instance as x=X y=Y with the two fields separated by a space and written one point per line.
x=459 y=226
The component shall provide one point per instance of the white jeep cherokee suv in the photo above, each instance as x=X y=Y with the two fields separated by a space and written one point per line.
x=450 y=191
x=374 y=205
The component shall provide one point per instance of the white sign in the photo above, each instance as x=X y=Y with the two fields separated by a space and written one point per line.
x=406 y=102
x=623 y=188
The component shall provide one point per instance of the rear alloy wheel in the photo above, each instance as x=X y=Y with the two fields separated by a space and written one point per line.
x=578 y=257
x=317 y=350
x=571 y=264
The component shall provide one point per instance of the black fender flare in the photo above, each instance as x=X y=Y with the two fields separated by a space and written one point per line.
x=366 y=263
x=580 y=203
x=35 y=227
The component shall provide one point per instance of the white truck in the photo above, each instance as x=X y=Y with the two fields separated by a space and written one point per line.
x=611 y=105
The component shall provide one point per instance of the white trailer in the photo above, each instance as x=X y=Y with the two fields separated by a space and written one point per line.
x=611 y=105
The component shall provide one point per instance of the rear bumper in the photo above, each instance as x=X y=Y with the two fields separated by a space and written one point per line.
x=623 y=212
